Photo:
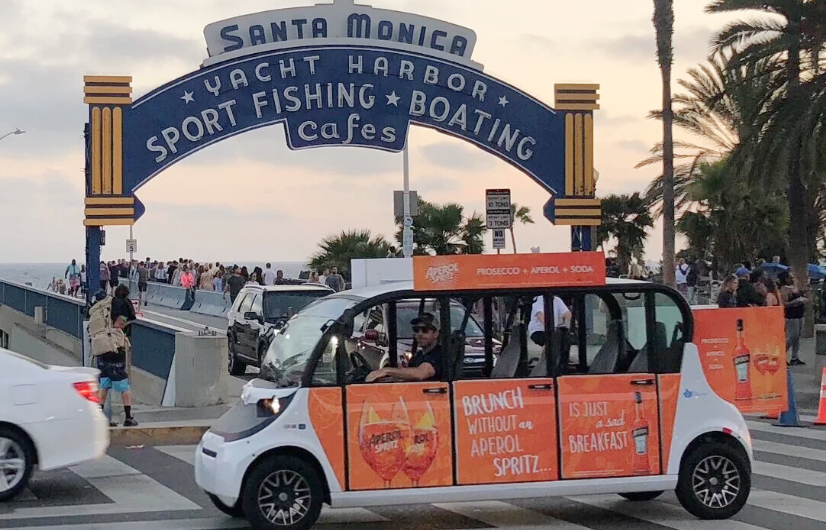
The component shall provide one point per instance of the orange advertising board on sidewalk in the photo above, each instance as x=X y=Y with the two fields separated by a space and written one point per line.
x=743 y=353
x=505 y=431
x=474 y=271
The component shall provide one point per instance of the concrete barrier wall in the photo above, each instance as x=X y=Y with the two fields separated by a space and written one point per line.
x=161 y=294
x=211 y=303
x=60 y=312
x=170 y=366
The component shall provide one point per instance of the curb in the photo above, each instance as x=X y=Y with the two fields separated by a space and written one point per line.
x=157 y=435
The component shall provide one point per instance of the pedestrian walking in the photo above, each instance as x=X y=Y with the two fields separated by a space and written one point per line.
x=795 y=305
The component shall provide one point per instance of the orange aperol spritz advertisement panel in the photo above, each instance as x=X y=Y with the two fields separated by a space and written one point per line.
x=399 y=436
x=506 y=431
x=474 y=271
x=743 y=353
x=609 y=426
x=325 y=405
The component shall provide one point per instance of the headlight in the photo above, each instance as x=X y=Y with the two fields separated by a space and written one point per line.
x=273 y=405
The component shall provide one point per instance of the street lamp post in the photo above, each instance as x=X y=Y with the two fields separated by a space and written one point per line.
x=16 y=131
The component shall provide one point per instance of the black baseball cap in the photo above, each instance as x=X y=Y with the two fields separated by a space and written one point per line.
x=426 y=319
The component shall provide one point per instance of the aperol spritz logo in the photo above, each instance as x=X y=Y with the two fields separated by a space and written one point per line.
x=443 y=274
x=398 y=443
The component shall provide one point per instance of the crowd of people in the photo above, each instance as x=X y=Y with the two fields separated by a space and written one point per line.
x=215 y=277
x=753 y=287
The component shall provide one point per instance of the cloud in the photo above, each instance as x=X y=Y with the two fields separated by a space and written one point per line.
x=643 y=47
x=633 y=145
x=433 y=183
x=607 y=119
x=532 y=39
x=454 y=155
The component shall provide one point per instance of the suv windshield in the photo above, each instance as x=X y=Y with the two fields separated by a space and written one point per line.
x=406 y=312
x=293 y=344
x=281 y=305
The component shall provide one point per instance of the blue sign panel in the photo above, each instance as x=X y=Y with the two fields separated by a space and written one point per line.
x=342 y=95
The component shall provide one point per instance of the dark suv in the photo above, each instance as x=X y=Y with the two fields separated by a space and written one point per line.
x=256 y=311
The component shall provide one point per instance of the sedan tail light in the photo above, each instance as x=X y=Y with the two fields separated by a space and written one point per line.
x=89 y=390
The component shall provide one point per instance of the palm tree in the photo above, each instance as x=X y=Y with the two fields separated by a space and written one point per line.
x=780 y=42
x=521 y=214
x=664 y=26
x=338 y=250
x=443 y=229
x=625 y=218
x=718 y=109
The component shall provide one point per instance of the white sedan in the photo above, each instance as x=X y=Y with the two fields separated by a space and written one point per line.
x=49 y=418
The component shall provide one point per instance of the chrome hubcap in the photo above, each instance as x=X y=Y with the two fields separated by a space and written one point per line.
x=716 y=482
x=12 y=464
x=284 y=498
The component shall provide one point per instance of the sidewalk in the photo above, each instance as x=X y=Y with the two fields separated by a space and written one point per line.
x=807 y=378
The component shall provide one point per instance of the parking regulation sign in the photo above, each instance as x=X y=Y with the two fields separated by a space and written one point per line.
x=498 y=239
x=498 y=209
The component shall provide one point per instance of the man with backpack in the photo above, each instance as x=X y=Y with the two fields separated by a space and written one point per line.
x=109 y=350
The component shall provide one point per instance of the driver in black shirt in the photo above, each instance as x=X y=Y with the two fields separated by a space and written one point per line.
x=426 y=365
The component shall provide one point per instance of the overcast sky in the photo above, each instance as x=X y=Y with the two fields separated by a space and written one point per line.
x=250 y=198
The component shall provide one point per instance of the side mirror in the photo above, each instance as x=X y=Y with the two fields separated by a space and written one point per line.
x=371 y=335
x=252 y=315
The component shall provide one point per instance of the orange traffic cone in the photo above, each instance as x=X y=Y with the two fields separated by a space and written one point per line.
x=821 y=411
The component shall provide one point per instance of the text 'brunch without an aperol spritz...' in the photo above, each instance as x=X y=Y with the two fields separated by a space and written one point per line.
x=432 y=273
x=503 y=430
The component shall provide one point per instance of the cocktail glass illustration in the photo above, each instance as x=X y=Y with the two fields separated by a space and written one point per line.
x=384 y=443
x=424 y=443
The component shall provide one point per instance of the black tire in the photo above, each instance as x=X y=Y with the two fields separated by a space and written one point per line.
x=304 y=490
x=723 y=473
x=17 y=446
x=233 y=511
x=235 y=365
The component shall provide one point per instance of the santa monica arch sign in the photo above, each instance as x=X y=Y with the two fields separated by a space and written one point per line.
x=339 y=74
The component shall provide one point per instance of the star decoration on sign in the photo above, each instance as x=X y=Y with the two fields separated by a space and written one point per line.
x=503 y=101
x=393 y=99
x=187 y=97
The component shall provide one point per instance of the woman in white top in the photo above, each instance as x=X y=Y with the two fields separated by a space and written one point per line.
x=536 y=327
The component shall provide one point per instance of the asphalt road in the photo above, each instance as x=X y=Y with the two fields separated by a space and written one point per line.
x=151 y=488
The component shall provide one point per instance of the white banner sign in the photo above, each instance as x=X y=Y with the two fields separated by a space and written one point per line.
x=340 y=21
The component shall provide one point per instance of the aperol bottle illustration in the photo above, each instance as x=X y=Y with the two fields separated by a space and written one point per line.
x=384 y=443
x=640 y=431
x=742 y=362
x=423 y=446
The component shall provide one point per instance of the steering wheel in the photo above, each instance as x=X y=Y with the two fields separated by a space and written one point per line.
x=360 y=368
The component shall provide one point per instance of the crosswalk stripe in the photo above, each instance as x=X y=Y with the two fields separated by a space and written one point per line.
x=792 y=474
x=137 y=494
x=349 y=515
x=661 y=513
x=502 y=514
x=790 y=504
x=797 y=432
x=789 y=450
x=175 y=524
x=185 y=453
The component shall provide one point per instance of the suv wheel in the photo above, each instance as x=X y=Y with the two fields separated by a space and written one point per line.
x=234 y=364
